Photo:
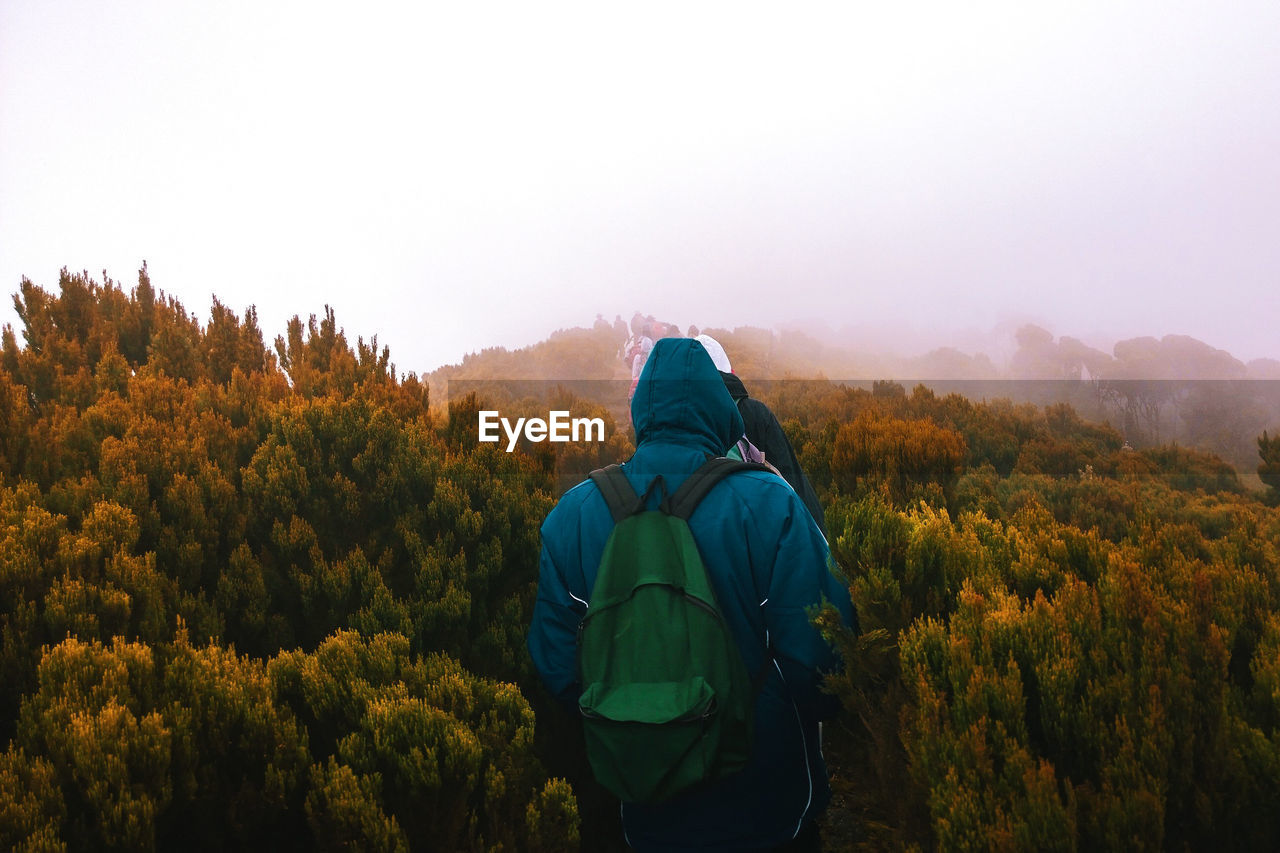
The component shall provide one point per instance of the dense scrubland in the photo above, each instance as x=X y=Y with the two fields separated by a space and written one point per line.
x=266 y=596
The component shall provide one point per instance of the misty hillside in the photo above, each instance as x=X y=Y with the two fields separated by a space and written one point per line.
x=759 y=353
x=1174 y=389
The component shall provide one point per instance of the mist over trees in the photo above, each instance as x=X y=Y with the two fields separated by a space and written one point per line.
x=1171 y=390
x=274 y=596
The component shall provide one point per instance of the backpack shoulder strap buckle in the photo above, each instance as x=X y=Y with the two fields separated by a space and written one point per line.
x=622 y=500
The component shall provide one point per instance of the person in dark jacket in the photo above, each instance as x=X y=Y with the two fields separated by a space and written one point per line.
x=768 y=564
x=763 y=430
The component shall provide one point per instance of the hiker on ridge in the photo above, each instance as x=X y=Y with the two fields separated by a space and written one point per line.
x=637 y=352
x=767 y=563
x=764 y=432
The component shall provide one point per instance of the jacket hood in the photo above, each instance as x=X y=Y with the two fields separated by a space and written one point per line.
x=681 y=399
x=734 y=385
x=718 y=356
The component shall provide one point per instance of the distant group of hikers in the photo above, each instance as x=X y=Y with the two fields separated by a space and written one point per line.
x=673 y=612
x=639 y=342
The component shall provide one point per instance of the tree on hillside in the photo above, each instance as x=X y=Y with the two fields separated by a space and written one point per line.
x=1269 y=470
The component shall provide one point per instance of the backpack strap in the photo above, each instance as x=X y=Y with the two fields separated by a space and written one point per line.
x=695 y=487
x=616 y=490
x=685 y=501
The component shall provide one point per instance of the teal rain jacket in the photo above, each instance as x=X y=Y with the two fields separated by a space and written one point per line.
x=768 y=563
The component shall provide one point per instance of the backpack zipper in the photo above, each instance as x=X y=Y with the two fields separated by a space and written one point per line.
x=691 y=717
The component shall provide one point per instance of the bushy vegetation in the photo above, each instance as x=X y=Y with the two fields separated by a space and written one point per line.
x=1071 y=645
x=255 y=599
x=261 y=597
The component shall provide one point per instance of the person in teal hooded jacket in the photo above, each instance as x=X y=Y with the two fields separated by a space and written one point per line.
x=769 y=565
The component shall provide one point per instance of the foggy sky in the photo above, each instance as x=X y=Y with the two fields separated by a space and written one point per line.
x=456 y=178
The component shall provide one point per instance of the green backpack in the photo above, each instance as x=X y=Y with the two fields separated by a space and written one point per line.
x=667 y=702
